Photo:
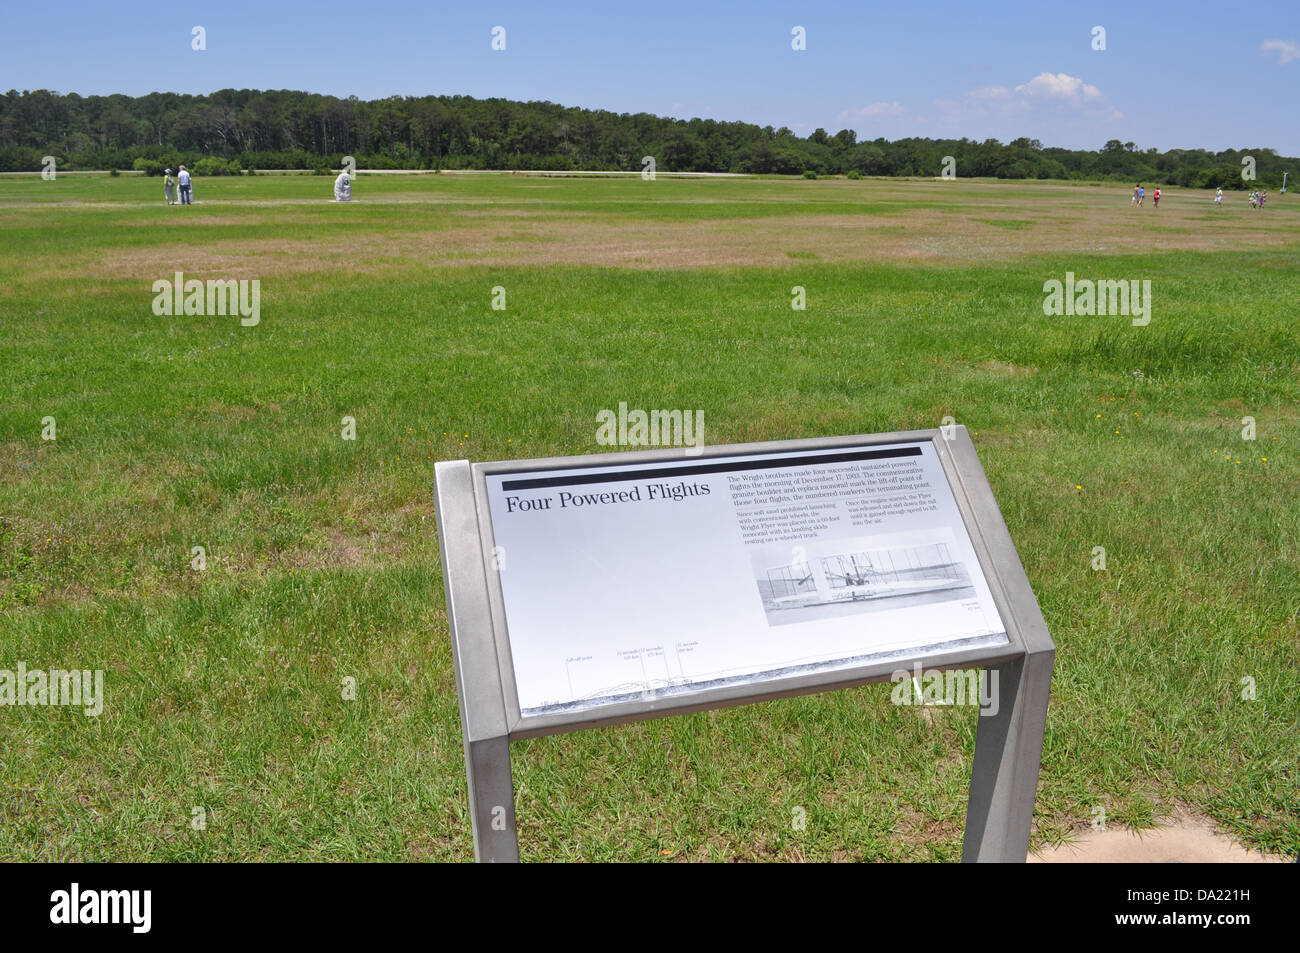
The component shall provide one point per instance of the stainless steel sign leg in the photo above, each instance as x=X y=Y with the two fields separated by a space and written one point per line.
x=483 y=719
x=492 y=800
x=1004 y=777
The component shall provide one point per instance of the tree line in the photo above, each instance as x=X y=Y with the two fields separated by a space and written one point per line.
x=241 y=129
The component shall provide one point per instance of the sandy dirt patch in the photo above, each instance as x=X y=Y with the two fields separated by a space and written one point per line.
x=1189 y=839
x=515 y=238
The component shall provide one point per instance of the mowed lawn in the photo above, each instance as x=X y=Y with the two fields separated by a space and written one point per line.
x=1176 y=666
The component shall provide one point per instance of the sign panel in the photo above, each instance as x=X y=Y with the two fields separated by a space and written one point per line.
x=592 y=590
x=649 y=580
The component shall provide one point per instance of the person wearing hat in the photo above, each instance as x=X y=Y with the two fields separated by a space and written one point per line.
x=169 y=187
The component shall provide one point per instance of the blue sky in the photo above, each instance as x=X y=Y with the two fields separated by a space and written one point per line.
x=1173 y=74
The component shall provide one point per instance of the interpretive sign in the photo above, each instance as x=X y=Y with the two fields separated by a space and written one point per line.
x=593 y=590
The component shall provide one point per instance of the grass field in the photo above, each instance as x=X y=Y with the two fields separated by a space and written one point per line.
x=924 y=299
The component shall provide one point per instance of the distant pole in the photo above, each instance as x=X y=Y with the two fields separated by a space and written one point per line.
x=1284 y=175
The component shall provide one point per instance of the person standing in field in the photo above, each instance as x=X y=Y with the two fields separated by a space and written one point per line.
x=1155 y=197
x=1218 y=198
x=187 y=187
x=1254 y=199
x=1262 y=196
x=169 y=187
x=1134 y=200
x=1141 y=192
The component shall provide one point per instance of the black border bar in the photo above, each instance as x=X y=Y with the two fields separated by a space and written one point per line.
x=699 y=468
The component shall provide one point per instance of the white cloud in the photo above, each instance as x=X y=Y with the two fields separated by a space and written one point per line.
x=1046 y=92
x=1286 y=50
x=1061 y=87
x=874 y=111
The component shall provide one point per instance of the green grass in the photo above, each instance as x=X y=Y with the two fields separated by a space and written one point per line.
x=224 y=686
x=1015 y=224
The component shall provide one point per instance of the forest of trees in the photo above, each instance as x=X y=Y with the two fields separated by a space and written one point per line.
x=245 y=129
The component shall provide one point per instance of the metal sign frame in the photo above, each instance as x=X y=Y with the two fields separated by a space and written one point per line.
x=1008 y=744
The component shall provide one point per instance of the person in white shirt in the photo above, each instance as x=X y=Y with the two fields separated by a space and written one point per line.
x=187 y=188
x=1218 y=198
x=343 y=188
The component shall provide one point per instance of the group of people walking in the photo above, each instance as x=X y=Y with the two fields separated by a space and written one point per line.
x=182 y=182
x=1139 y=193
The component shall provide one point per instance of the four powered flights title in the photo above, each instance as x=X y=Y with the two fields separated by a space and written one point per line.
x=569 y=500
